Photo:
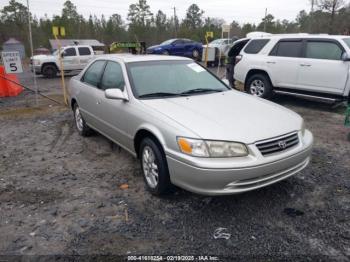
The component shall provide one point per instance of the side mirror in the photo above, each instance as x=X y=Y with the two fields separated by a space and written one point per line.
x=63 y=54
x=115 y=94
x=226 y=82
x=345 y=57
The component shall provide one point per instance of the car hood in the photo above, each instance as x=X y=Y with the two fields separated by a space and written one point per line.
x=42 y=57
x=155 y=47
x=229 y=116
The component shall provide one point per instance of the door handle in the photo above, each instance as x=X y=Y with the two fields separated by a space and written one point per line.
x=305 y=65
x=271 y=62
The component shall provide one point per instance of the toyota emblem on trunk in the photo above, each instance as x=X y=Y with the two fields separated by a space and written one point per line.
x=282 y=144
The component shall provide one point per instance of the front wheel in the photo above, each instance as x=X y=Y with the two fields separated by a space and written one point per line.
x=195 y=54
x=259 y=85
x=49 y=71
x=154 y=167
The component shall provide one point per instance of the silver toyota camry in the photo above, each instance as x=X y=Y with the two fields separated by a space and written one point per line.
x=187 y=127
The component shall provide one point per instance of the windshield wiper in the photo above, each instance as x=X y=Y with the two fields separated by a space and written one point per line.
x=201 y=91
x=158 y=94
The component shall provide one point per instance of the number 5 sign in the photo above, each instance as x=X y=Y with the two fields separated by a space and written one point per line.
x=12 y=62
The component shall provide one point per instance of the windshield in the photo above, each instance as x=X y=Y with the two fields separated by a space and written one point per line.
x=168 y=42
x=217 y=42
x=347 y=41
x=171 y=78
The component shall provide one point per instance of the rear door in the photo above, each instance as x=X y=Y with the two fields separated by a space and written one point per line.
x=284 y=61
x=70 y=59
x=85 y=56
x=89 y=93
x=322 y=68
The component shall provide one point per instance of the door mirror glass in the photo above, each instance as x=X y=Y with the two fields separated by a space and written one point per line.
x=345 y=57
x=115 y=94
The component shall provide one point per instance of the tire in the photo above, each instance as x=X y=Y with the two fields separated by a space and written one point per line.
x=82 y=127
x=49 y=71
x=195 y=54
x=259 y=85
x=154 y=167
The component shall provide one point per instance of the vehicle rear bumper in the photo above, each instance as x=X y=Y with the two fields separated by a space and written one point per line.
x=238 y=180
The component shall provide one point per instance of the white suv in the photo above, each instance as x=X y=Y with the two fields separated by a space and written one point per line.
x=311 y=66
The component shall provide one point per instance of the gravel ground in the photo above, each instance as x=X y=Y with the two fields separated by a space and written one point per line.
x=61 y=194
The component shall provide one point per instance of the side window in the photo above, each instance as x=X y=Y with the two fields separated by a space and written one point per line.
x=178 y=42
x=255 y=46
x=84 y=51
x=287 y=49
x=93 y=74
x=323 y=50
x=113 y=77
x=70 y=52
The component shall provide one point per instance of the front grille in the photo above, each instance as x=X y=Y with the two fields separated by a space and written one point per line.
x=277 y=145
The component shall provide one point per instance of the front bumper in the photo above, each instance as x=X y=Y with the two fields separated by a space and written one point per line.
x=239 y=179
x=36 y=69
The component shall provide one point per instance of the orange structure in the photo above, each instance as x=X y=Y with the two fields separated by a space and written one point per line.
x=9 y=88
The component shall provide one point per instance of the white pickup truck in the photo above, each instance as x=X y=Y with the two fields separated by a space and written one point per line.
x=74 y=58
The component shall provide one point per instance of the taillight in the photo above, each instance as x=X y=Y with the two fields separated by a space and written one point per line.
x=238 y=59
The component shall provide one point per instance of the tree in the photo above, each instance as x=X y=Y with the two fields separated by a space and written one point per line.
x=140 y=13
x=194 y=17
x=331 y=6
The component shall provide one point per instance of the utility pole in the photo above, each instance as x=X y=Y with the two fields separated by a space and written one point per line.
x=265 y=20
x=311 y=16
x=175 y=21
x=32 y=51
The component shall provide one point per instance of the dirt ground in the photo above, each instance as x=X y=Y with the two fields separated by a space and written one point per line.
x=61 y=194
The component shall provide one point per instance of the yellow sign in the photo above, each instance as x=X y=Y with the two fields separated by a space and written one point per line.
x=58 y=31
x=210 y=34
x=55 y=30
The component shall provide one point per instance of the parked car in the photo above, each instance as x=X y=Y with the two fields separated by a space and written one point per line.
x=74 y=58
x=178 y=47
x=187 y=127
x=222 y=45
x=311 y=66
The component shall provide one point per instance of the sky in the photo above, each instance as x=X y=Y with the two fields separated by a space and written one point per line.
x=243 y=11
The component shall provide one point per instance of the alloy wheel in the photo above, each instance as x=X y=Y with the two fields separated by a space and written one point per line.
x=150 y=168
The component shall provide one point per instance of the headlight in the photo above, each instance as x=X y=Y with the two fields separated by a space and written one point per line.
x=213 y=149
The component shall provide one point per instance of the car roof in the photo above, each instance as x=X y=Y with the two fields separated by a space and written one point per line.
x=303 y=35
x=130 y=58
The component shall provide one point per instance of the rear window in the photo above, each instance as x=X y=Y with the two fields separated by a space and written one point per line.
x=255 y=46
x=287 y=49
x=84 y=51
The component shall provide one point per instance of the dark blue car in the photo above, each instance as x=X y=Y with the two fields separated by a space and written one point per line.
x=178 y=47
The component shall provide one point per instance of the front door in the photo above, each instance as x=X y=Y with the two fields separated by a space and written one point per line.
x=113 y=113
x=70 y=59
x=322 y=68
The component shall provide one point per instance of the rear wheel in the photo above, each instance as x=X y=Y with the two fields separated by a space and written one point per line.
x=82 y=127
x=154 y=167
x=49 y=71
x=259 y=85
